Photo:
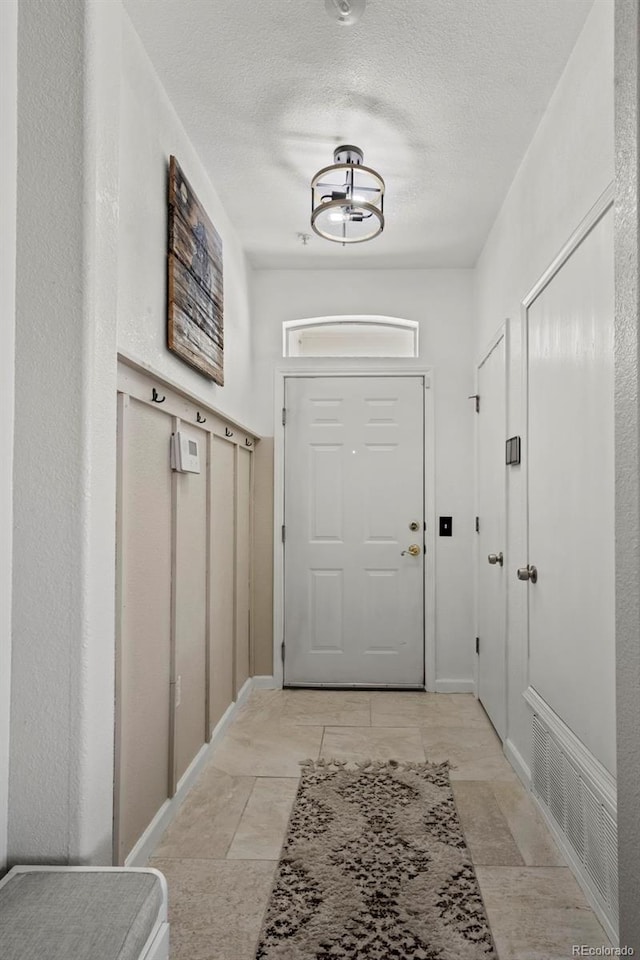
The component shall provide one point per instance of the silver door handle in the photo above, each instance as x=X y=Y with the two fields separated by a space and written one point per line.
x=496 y=558
x=528 y=573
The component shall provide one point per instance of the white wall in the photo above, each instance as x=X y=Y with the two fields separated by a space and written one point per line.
x=627 y=245
x=441 y=301
x=568 y=165
x=94 y=133
x=8 y=165
x=150 y=132
x=61 y=762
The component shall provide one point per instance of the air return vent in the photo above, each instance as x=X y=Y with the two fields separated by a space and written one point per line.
x=575 y=806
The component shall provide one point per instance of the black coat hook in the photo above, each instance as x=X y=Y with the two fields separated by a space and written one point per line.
x=247 y=442
x=227 y=432
x=200 y=419
x=156 y=397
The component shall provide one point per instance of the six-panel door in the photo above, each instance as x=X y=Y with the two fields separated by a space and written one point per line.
x=354 y=486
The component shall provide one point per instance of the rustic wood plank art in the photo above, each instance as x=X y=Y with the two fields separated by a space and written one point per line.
x=195 y=311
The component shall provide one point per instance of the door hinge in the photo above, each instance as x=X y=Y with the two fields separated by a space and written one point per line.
x=284 y=416
x=284 y=533
x=476 y=397
x=282 y=650
x=477 y=644
x=477 y=524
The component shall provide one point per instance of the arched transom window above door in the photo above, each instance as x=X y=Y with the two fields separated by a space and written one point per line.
x=350 y=336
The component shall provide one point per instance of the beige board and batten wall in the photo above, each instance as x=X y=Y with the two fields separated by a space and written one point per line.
x=185 y=582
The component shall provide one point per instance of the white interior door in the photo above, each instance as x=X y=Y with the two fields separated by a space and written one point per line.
x=491 y=504
x=354 y=504
x=571 y=492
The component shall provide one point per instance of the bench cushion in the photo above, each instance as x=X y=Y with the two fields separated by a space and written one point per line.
x=84 y=915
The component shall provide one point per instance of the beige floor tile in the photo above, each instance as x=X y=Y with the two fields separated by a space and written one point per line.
x=267 y=750
x=485 y=828
x=208 y=818
x=537 y=913
x=366 y=743
x=263 y=825
x=537 y=846
x=425 y=709
x=327 y=708
x=466 y=705
x=484 y=768
x=216 y=906
x=262 y=706
x=460 y=744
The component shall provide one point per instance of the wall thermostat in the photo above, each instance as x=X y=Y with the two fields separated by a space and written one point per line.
x=185 y=454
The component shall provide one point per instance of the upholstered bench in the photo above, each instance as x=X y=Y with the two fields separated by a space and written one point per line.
x=83 y=913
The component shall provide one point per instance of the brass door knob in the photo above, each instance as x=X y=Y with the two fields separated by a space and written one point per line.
x=414 y=550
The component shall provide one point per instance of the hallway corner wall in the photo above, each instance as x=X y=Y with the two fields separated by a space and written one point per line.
x=627 y=342
x=567 y=167
x=61 y=761
x=8 y=164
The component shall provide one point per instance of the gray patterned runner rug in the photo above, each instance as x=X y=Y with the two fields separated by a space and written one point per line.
x=375 y=867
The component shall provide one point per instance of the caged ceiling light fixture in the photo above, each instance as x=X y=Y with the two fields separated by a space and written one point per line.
x=347 y=199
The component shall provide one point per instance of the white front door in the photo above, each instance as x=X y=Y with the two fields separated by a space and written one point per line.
x=354 y=504
x=491 y=502
x=571 y=492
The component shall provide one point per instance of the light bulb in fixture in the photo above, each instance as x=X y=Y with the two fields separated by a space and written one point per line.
x=347 y=199
x=345 y=12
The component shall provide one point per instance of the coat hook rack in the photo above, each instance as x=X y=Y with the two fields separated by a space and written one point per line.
x=247 y=442
x=227 y=432
x=200 y=419
x=156 y=398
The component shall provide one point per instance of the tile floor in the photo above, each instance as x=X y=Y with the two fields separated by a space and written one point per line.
x=220 y=853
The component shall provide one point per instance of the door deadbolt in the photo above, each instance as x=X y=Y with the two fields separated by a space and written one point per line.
x=414 y=550
x=496 y=558
x=528 y=573
x=414 y=525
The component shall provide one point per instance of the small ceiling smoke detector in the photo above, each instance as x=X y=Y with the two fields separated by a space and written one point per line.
x=346 y=12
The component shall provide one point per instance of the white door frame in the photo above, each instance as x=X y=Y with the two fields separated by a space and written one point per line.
x=503 y=331
x=332 y=370
x=593 y=217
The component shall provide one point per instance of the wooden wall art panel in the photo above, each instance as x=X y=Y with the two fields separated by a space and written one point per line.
x=195 y=300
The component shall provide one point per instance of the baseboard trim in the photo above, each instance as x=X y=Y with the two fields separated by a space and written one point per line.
x=243 y=692
x=577 y=869
x=143 y=849
x=265 y=683
x=454 y=686
x=145 y=846
x=516 y=760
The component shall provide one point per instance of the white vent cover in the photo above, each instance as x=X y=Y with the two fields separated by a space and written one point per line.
x=584 y=820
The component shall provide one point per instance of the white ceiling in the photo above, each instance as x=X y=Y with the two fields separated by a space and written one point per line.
x=443 y=96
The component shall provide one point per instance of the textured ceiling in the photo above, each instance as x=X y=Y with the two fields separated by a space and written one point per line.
x=443 y=96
